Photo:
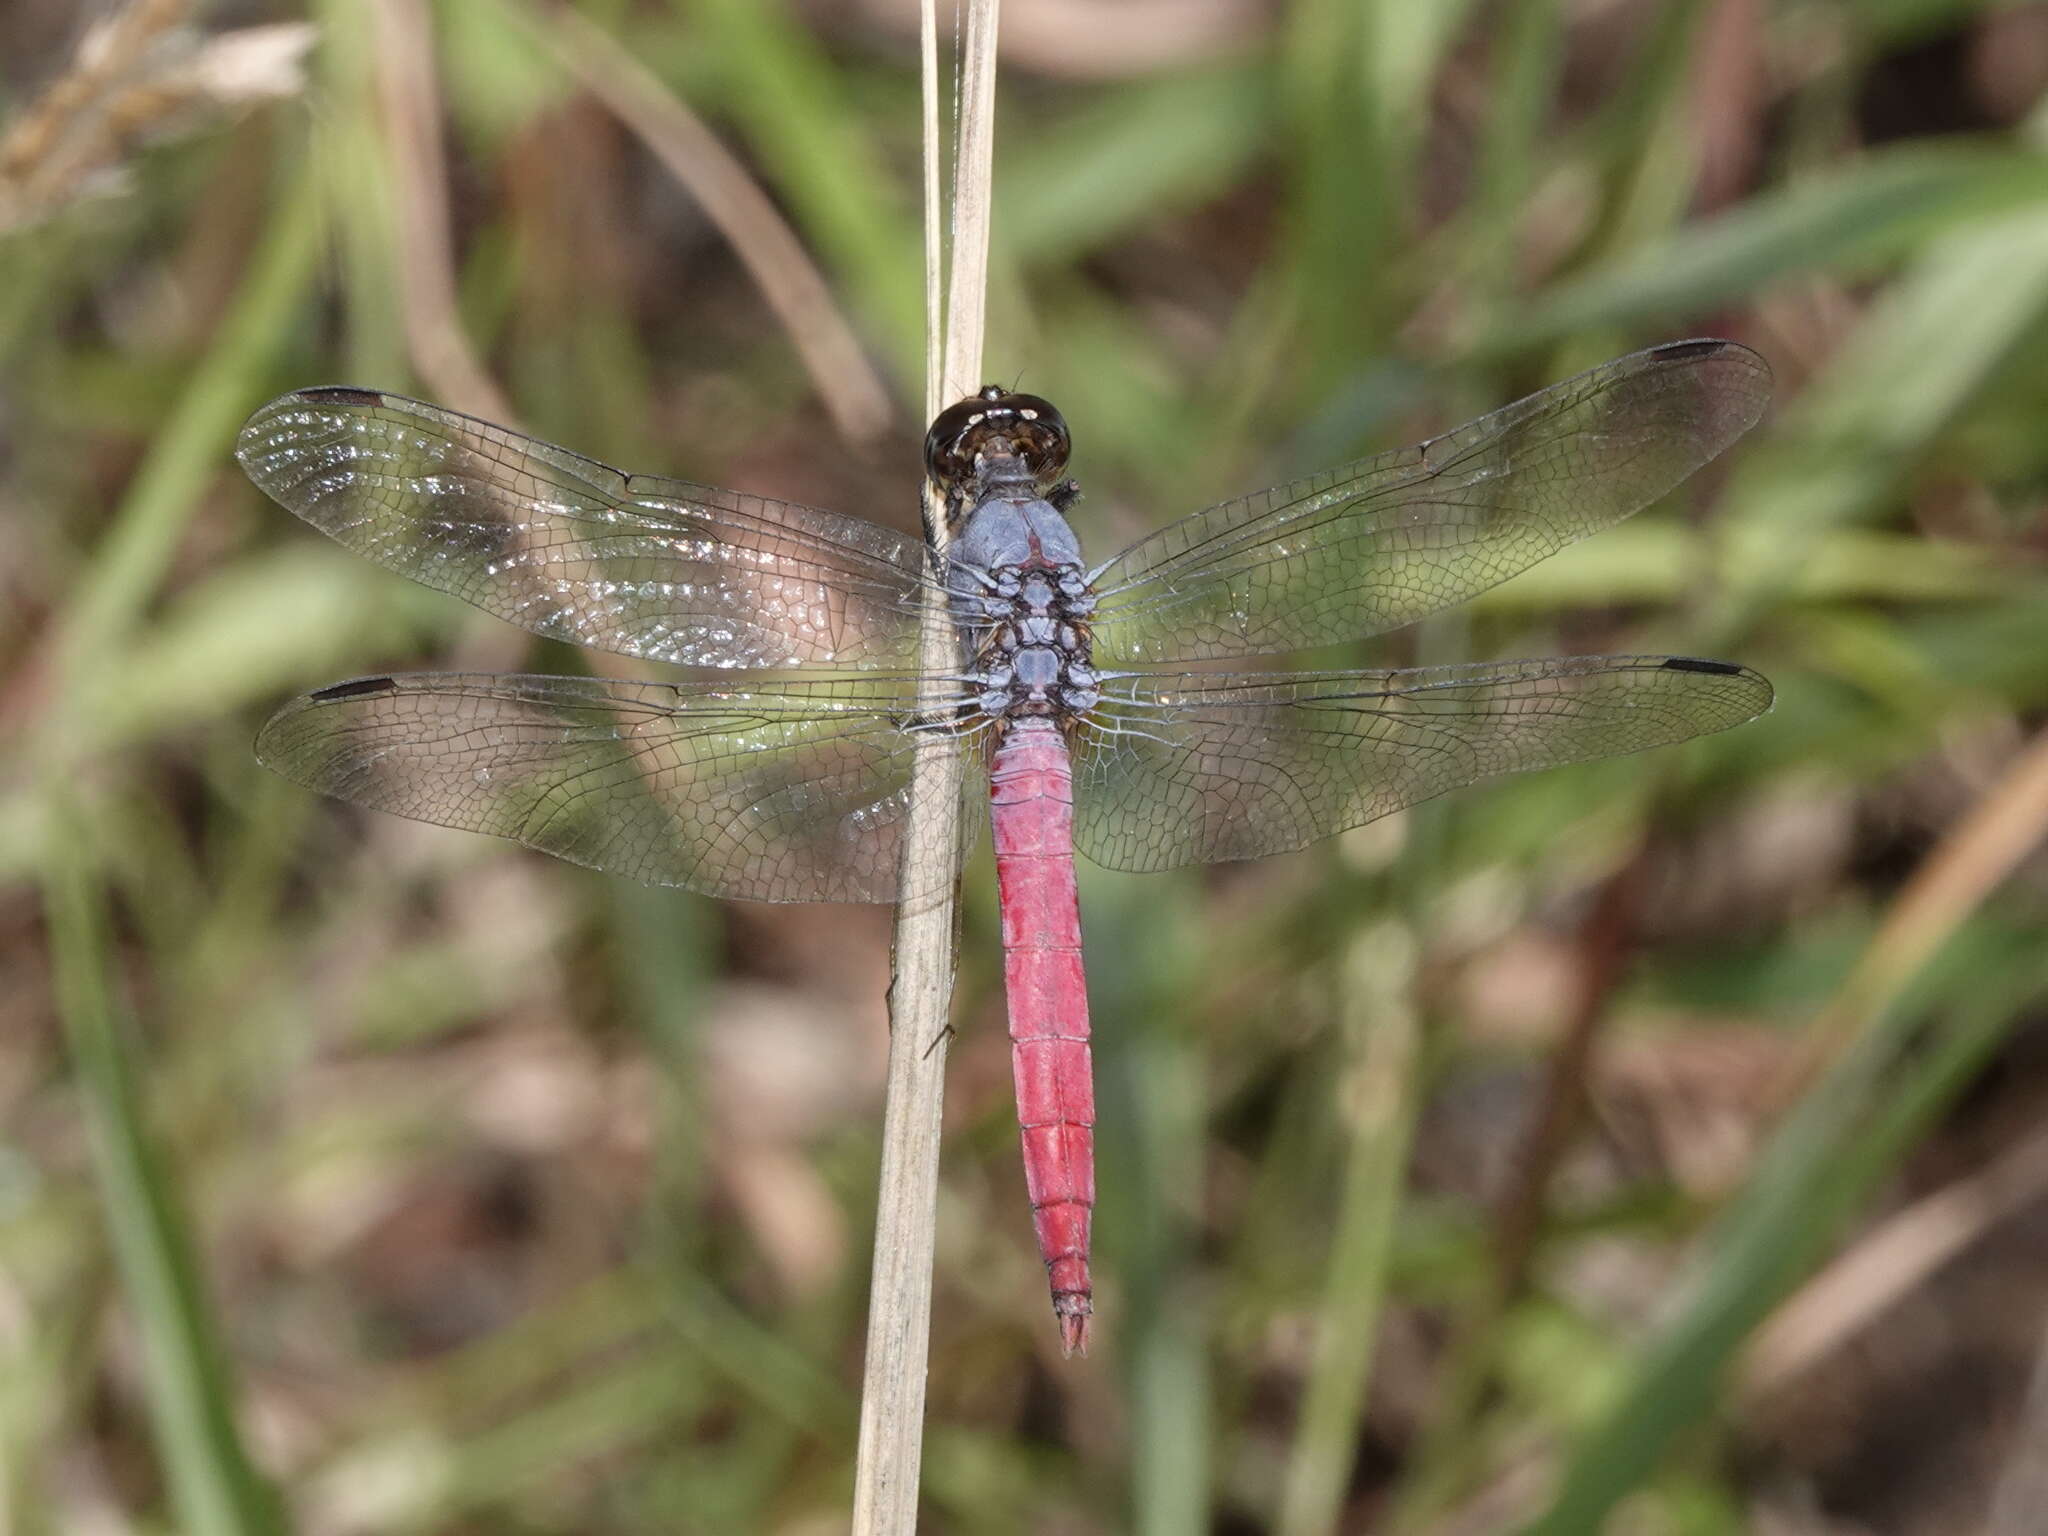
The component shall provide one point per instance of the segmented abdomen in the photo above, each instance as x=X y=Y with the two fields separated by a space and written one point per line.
x=1031 y=792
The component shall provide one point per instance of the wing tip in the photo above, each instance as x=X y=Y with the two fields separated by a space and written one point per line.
x=276 y=741
x=1693 y=664
x=318 y=394
x=354 y=688
x=1718 y=349
x=336 y=394
x=1696 y=347
x=250 y=441
x=1764 y=699
x=1699 y=348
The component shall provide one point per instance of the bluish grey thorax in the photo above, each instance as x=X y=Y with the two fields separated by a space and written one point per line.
x=1017 y=532
x=1021 y=592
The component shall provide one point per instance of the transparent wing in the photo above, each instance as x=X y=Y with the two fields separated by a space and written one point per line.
x=1190 y=768
x=576 y=550
x=788 y=791
x=1384 y=541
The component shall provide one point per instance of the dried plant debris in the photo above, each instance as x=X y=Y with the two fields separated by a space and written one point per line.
x=138 y=77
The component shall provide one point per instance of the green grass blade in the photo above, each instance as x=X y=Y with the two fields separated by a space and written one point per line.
x=1126 y=160
x=213 y=1487
x=1849 y=220
x=1845 y=1136
x=799 y=119
x=1382 y=1096
x=1151 y=1110
x=192 y=449
x=1934 y=340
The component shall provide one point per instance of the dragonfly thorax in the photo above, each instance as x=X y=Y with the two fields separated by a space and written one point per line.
x=1032 y=643
x=1022 y=599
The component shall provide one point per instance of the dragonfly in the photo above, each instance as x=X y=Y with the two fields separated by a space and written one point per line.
x=781 y=771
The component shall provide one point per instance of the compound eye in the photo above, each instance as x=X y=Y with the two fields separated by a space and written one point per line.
x=948 y=455
x=1040 y=432
x=1021 y=424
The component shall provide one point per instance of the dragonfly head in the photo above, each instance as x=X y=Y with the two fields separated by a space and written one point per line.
x=996 y=424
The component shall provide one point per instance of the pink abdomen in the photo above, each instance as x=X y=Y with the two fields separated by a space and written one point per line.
x=1031 y=793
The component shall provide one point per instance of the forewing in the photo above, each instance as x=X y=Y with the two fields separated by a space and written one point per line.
x=1382 y=542
x=1190 y=768
x=578 y=551
x=788 y=791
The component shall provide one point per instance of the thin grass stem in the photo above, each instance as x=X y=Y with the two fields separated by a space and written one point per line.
x=920 y=993
x=213 y=1487
x=1385 y=1035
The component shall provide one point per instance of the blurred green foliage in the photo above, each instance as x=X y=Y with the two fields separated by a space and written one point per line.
x=459 y=1192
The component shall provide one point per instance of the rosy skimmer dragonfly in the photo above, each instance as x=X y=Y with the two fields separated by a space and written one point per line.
x=1082 y=689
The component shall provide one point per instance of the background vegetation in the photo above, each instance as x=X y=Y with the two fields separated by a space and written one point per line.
x=1653 y=1147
